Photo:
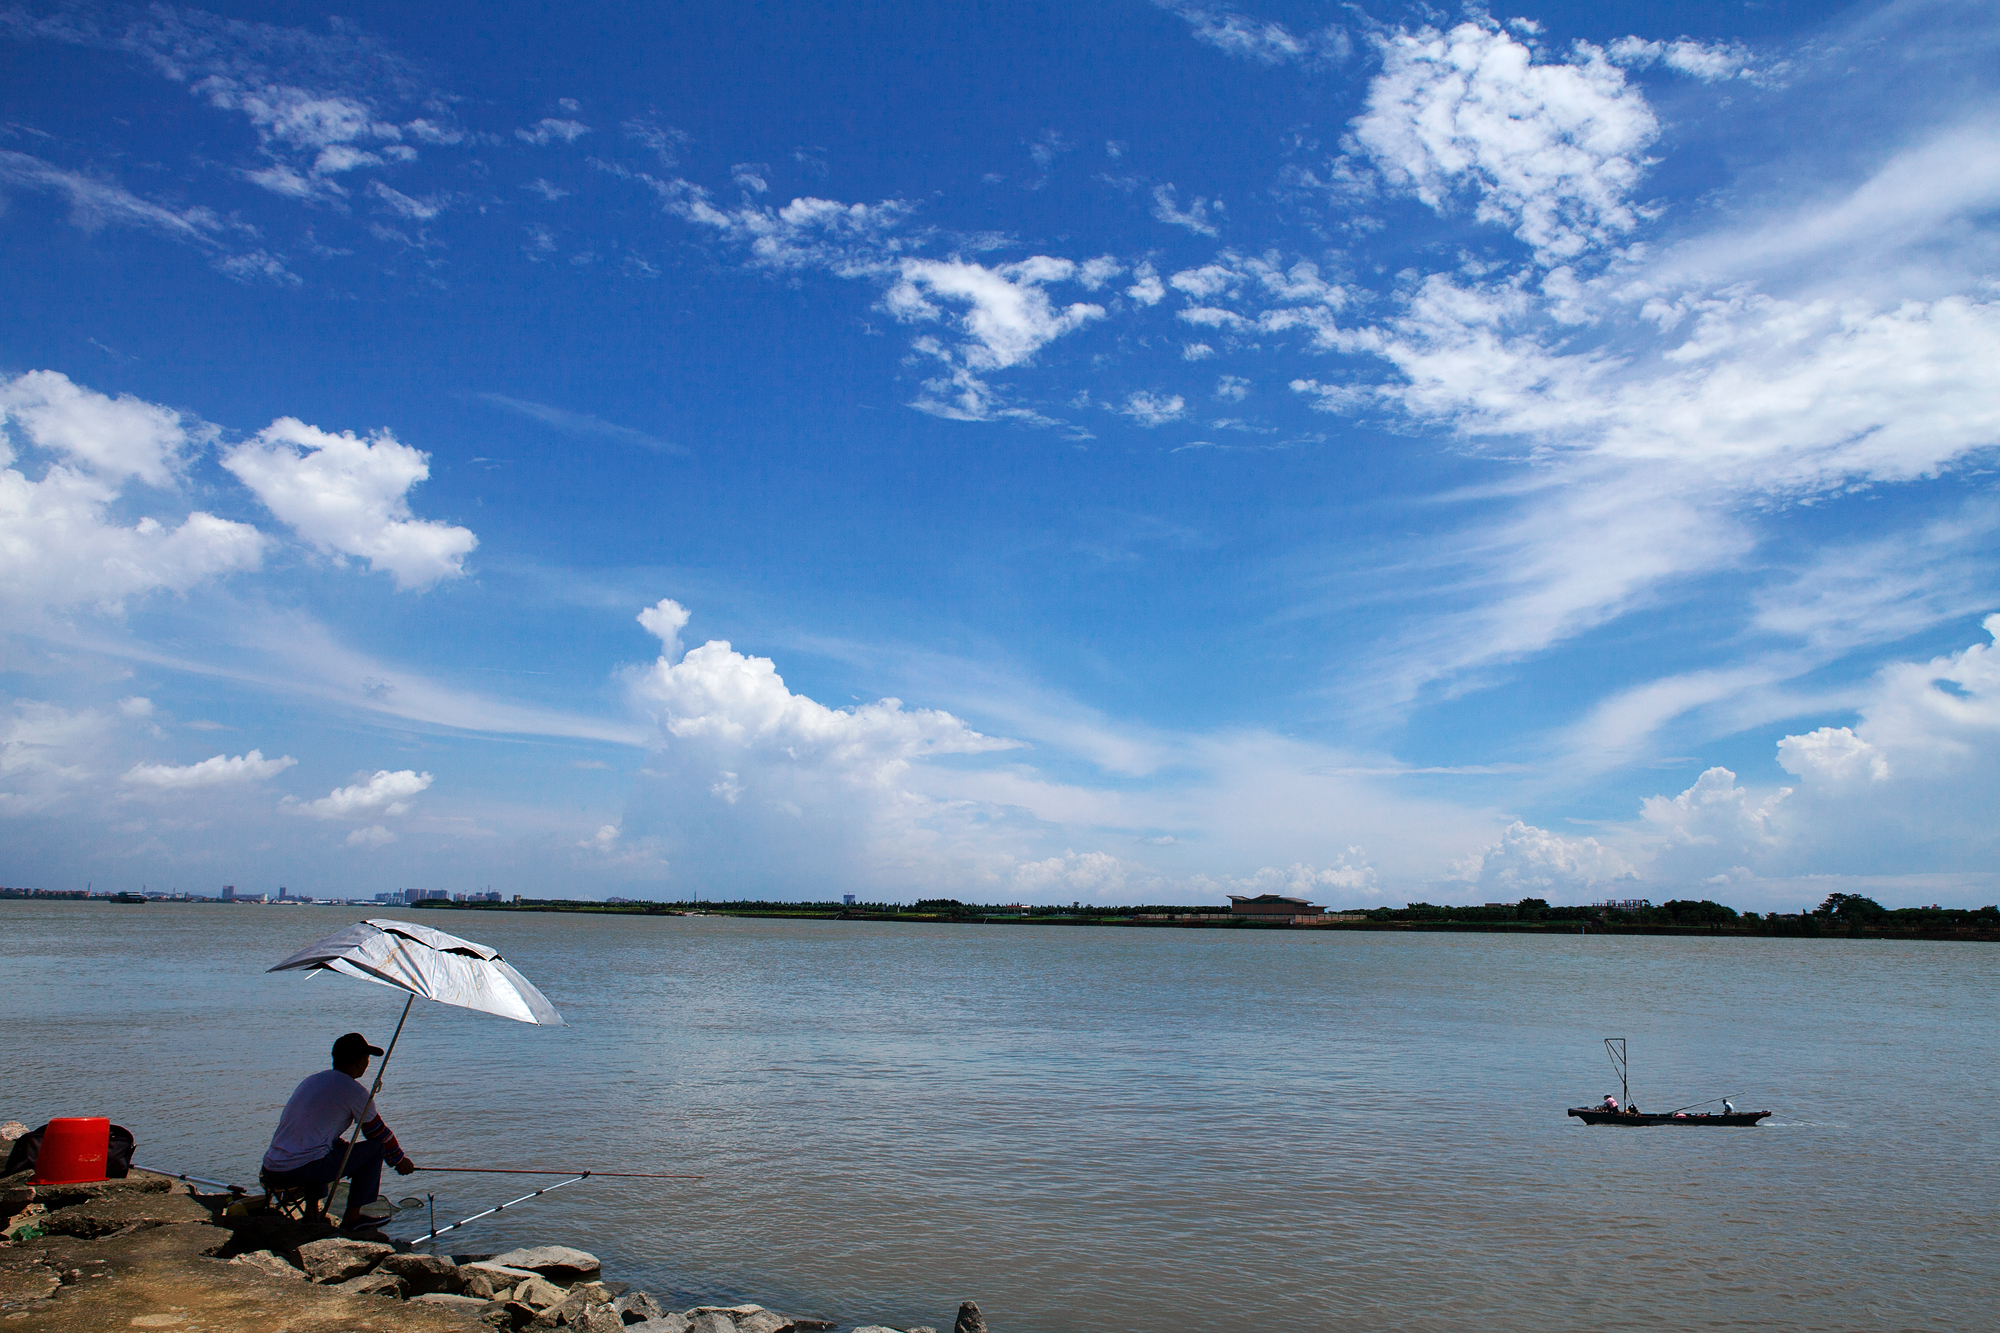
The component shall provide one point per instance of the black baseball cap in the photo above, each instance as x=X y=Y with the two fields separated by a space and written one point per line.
x=350 y=1046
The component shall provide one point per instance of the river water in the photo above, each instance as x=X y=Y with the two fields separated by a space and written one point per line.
x=1107 y=1129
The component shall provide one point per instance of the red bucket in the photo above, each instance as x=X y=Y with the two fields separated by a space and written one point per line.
x=73 y=1150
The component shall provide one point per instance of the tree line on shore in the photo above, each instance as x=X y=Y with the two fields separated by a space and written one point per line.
x=1840 y=913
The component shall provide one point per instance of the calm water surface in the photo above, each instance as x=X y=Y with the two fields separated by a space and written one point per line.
x=1101 y=1129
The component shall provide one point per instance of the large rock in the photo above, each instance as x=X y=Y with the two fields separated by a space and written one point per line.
x=711 y=1321
x=507 y=1314
x=574 y=1310
x=559 y=1263
x=594 y=1319
x=374 y=1284
x=266 y=1262
x=666 y=1323
x=338 y=1258
x=449 y=1301
x=637 y=1308
x=494 y=1281
x=969 y=1319
x=425 y=1273
x=539 y=1293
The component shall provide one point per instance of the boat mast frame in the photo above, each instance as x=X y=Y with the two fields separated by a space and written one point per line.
x=1615 y=1048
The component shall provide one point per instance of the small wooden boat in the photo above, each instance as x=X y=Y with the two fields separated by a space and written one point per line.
x=1597 y=1115
x=1680 y=1115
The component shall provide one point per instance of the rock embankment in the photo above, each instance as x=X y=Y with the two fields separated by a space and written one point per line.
x=146 y=1253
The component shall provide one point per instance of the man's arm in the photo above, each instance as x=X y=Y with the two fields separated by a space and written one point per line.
x=392 y=1151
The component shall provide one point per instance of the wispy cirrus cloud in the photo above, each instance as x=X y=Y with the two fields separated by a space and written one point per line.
x=582 y=423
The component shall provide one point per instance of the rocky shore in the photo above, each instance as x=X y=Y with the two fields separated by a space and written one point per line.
x=147 y=1253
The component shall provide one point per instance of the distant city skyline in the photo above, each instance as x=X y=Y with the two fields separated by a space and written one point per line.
x=1146 y=453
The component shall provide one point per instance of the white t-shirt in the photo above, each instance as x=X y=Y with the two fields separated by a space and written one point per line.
x=319 y=1112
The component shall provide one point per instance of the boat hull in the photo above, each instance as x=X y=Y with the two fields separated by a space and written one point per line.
x=1592 y=1116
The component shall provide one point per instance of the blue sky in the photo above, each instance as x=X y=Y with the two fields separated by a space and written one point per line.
x=1142 y=453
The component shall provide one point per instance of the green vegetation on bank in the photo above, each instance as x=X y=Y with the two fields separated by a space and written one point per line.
x=1840 y=915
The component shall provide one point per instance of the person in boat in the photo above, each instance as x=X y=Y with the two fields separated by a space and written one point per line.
x=307 y=1148
x=1728 y=1107
x=1610 y=1104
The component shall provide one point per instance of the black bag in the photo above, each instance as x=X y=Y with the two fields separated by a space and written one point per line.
x=117 y=1158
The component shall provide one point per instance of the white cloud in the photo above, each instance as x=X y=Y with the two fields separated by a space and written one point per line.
x=1196 y=352
x=1009 y=316
x=1707 y=61
x=1195 y=217
x=372 y=836
x=848 y=240
x=403 y=205
x=1351 y=877
x=1551 y=150
x=1715 y=823
x=59 y=544
x=385 y=793
x=665 y=621
x=221 y=770
x=1232 y=388
x=1208 y=280
x=1834 y=754
x=1263 y=41
x=1533 y=862
x=116 y=438
x=1151 y=410
x=549 y=130
x=136 y=706
x=351 y=497
x=95 y=203
x=1075 y=875
x=44 y=754
x=1146 y=288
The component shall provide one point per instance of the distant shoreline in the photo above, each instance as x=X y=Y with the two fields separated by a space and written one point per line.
x=1788 y=927
x=1530 y=917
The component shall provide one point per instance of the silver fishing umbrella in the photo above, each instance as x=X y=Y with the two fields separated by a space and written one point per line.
x=426 y=963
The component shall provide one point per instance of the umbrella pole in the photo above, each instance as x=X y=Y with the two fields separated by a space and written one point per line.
x=380 y=1070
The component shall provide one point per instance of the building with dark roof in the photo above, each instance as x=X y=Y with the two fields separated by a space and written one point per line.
x=1274 y=907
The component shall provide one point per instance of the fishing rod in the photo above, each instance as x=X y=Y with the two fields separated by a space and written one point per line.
x=198 y=1180
x=1728 y=1096
x=497 y=1208
x=535 y=1171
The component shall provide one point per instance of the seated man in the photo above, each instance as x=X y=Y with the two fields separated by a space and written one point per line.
x=1610 y=1103
x=307 y=1148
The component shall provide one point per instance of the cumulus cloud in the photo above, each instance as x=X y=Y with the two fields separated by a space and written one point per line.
x=372 y=836
x=60 y=545
x=1552 y=151
x=664 y=621
x=1834 y=755
x=792 y=793
x=221 y=770
x=385 y=793
x=349 y=496
x=116 y=438
x=1533 y=862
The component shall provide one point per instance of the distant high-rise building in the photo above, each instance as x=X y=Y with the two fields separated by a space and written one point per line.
x=229 y=893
